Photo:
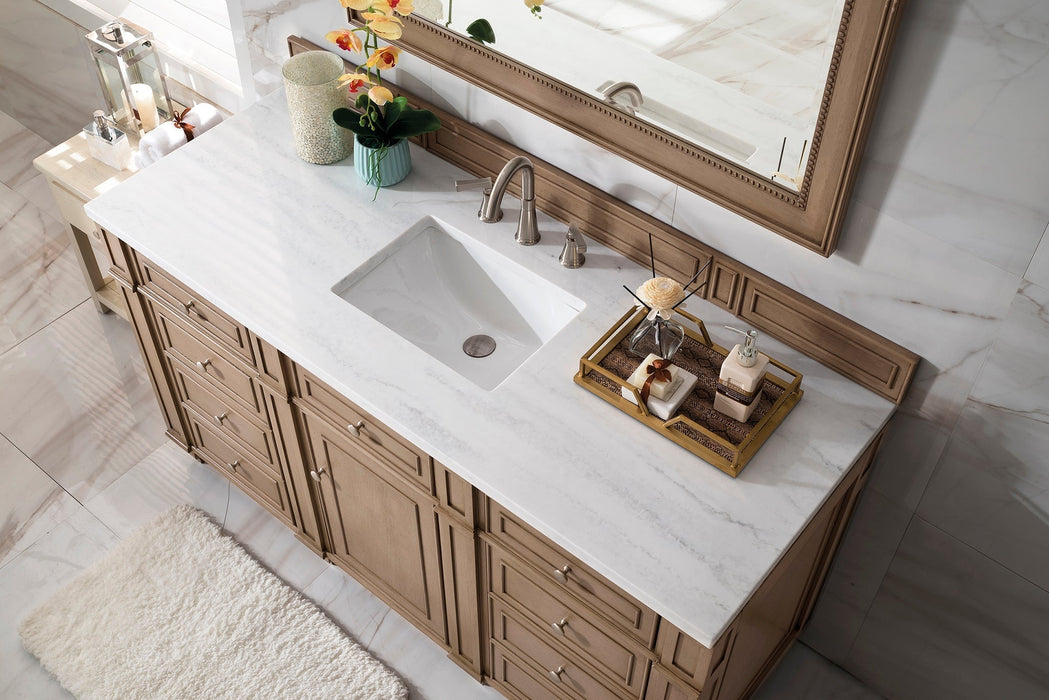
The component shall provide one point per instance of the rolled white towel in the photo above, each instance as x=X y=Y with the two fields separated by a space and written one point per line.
x=159 y=142
x=202 y=117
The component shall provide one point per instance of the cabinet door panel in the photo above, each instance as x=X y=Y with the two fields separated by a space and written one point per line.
x=383 y=532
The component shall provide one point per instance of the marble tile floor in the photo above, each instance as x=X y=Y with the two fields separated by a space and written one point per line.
x=84 y=462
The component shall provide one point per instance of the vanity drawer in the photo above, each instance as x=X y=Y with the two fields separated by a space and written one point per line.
x=207 y=361
x=258 y=481
x=515 y=679
x=365 y=431
x=561 y=620
x=547 y=662
x=223 y=415
x=579 y=579
x=194 y=309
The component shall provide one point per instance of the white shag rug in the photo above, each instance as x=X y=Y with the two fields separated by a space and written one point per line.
x=179 y=610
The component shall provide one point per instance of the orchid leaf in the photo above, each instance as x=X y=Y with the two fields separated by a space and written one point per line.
x=414 y=122
x=480 y=30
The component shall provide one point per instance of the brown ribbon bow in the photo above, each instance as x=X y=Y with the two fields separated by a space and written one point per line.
x=180 y=121
x=658 y=370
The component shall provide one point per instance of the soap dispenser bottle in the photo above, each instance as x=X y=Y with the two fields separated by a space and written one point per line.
x=107 y=143
x=742 y=373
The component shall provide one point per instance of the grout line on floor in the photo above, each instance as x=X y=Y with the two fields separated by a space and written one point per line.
x=85 y=300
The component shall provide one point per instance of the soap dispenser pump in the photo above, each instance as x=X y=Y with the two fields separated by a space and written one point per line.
x=742 y=373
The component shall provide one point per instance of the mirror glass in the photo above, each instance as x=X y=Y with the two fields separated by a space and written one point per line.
x=741 y=78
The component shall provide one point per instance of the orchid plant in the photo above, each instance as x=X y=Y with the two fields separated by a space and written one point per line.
x=382 y=120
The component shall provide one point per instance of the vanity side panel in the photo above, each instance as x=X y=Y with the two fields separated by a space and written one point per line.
x=148 y=345
x=776 y=613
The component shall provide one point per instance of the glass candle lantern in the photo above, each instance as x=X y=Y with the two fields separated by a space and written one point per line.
x=128 y=68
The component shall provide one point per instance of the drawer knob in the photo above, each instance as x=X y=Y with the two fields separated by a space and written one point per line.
x=233 y=465
x=559 y=627
x=355 y=429
x=555 y=676
x=203 y=365
x=562 y=574
x=191 y=308
x=221 y=417
x=316 y=475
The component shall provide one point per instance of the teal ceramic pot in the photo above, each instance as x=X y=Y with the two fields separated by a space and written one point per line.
x=389 y=169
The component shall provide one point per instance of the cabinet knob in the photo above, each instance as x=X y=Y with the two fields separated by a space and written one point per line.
x=221 y=417
x=555 y=676
x=203 y=365
x=191 y=308
x=233 y=465
x=316 y=475
x=355 y=429
x=559 y=627
x=562 y=574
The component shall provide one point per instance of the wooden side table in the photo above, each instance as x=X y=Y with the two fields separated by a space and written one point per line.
x=75 y=179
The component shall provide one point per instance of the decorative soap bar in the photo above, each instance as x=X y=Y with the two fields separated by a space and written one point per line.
x=660 y=387
x=665 y=408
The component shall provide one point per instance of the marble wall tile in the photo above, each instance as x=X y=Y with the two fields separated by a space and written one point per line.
x=1038 y=270
x=803 y=674
x=866 y=552
x=27 y=581
x=957 y=148
x=31 y=503
x=167 y=477
x=907 y=459
x=51 y=85
x=931 y=297
x=77 y=401
x=950 y=623
x=1016 y=375
x=991 y=489
x=40 y=278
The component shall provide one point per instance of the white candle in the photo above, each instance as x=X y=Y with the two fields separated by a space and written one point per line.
x=145 y=104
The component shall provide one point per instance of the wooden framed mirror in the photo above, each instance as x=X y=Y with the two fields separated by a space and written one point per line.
x=809 y=210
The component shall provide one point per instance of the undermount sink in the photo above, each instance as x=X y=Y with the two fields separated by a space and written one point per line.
x=448 y=294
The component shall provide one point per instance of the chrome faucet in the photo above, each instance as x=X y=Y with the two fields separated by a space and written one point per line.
x=491 y=211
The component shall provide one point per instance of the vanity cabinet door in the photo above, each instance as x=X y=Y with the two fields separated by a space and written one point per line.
x=380 y=528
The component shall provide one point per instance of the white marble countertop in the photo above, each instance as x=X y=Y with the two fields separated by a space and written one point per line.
x=263 y=235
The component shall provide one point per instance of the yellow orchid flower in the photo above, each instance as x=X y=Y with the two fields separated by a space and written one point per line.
x=532 y=4
x=402 y=7
x=355 y=81
x=388 y=27
x=345 y=40
x=359 y=5
x=380 y=95
x=384 y=58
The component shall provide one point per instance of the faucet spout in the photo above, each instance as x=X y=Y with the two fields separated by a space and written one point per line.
x=491 y=210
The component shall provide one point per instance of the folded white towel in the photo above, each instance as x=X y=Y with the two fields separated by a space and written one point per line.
x=159 y=142
x=202 y=117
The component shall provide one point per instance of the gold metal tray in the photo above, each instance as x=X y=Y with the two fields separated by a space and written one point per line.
x=724 y=442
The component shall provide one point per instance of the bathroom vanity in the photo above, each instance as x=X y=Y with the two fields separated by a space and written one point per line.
x=552 y=545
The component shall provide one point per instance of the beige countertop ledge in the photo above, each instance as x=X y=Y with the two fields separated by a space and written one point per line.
x=264 y=236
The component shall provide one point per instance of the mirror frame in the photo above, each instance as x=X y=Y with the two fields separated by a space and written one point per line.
x=812 y=216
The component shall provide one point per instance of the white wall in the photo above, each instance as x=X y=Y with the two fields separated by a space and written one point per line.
x=940 y=589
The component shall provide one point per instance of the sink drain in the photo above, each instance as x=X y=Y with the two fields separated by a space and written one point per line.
x=479 y=345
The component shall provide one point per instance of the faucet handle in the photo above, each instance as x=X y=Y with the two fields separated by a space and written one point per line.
x=481 y=183
x=575 y=245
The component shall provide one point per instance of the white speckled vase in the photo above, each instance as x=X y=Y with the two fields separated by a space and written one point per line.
x=311 y=83
x=380 y=169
